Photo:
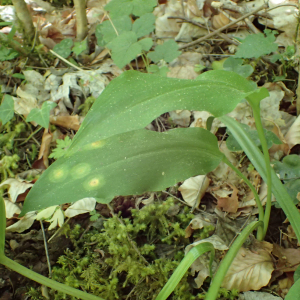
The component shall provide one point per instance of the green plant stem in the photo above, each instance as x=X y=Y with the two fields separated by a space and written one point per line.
x=212 y=293
x=191 y=256
x=257 y=159
x=25 y=18
x=4 y=39
x=260 y=231
x=81 y=20
x=45 y=281
x=260 y=130
x=2 y=225
x=31 y=135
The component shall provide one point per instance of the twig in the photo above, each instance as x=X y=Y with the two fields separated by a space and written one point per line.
x=58 y=231
x=208 y=36
x=222 y=35
x=182 y=6
x=181 y=201
x=46 y=249
x=66 y=61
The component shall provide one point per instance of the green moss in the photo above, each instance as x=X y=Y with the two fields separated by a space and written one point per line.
x=131 y=258
x=224 y=294
x=9 y=156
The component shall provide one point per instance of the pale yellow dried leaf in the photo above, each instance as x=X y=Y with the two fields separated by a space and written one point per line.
x=46 y=213
x=11 y=209
x=250 y=270
x=57 y=219
x=193 y=189
x=80 y=207
x=293 y=135
x=181 y=117
x=23 y=224
x=16 y=187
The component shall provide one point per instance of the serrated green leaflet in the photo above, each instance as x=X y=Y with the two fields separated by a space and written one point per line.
x=249 y=48
x=168 y=51
x=109 y=30
x=144 y=25
x=125 y=164
x=79 y=47
x=236 y=65
x=133 y=100
x=7 y=109
x=125 y=48
x=64 y=48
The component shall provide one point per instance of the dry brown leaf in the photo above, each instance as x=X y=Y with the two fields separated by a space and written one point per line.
x=198 y=222
x=45 y=147
x=250 y=270
x=288 y=259
x=219 y=21
x=231 y=203
x=72 y=122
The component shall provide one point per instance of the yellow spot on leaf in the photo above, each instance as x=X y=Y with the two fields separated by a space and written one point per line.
x=58 y=174
x=95 y=145
x=94 y=182
x=80 y=170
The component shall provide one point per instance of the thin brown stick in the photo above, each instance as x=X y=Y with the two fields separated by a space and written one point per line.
x=208 y=36
x=221 y=35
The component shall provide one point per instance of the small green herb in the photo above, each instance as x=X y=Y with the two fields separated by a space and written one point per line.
x=61 y=148
x=41 y=116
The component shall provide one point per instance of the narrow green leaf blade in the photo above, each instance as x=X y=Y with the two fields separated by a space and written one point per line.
x=129 y=163
x=7 y=109
x=184 y=265
x=257 y=159
x=2 y=226
x=134 y=99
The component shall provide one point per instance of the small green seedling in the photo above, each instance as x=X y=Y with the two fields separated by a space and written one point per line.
x=41 y=116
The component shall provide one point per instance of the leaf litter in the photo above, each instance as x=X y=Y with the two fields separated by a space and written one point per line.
x=220 y=193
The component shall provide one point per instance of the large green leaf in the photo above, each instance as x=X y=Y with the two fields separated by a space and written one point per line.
x=134 y=99
x=294 y=292
x=129 y=163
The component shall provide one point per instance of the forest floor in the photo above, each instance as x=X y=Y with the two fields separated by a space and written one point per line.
x=128 y=249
